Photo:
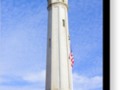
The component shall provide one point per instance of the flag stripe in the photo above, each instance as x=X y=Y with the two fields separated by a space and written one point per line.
x=71 y=59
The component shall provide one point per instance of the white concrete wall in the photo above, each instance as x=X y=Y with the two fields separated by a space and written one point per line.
x=58 y=76
x=64 y=50
x=55 y=47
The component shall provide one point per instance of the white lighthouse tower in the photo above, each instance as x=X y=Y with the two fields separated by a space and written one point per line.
x=58 y=73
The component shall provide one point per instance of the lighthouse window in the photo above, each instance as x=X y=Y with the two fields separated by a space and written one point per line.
x=69 y=37
x=49 y=42
x=63 y=22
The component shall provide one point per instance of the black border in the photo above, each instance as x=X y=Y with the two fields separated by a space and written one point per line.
x=106 y=44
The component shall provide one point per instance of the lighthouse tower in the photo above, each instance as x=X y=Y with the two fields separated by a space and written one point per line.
x=58 y=67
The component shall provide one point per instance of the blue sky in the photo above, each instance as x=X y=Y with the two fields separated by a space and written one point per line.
x=23 y=35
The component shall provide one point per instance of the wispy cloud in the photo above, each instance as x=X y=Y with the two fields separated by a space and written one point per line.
x=28 y=81
x=35 y=77
x=86 y=83
x=38 y=79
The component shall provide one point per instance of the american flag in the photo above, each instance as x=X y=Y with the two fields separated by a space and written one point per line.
x=71 y=59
